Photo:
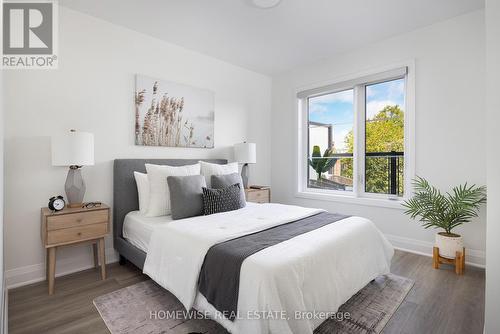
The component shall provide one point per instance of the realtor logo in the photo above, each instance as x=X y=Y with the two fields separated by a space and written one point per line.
x=29 y=34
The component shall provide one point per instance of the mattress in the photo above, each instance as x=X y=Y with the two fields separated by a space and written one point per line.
x=137 y=228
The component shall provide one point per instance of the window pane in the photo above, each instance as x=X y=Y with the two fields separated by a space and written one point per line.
x=384 y=146
x=331 y=121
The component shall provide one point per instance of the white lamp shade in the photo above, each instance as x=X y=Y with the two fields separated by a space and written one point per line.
x=245 y=153
x=73 y=148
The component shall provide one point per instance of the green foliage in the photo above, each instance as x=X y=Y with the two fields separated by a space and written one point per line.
x=322 y=164
x=384 y=133
x=444 y=211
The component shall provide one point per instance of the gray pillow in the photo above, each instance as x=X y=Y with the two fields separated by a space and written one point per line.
x=223 y=181
x=186 y=196
x=221 y=200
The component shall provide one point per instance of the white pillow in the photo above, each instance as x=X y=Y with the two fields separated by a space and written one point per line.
x=208 y=169
x=141 y=179
x=159 y=194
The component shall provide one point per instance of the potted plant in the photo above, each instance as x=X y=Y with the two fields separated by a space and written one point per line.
x=445 y=212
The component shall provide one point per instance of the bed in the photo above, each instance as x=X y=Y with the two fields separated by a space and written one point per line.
x=125 y=200
x=281 y=288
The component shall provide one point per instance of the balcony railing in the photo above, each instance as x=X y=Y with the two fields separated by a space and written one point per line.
x=384 y=173
x=394 y=169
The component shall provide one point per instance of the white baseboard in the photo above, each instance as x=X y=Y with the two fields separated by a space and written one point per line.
x=36 y=273
x=473 y=257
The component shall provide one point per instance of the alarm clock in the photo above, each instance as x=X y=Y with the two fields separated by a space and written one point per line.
x=56 y=203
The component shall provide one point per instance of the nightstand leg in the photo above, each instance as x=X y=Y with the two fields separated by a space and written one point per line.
x=52 y=269
x=47 y=265
x=96 y=255
x=102 y=258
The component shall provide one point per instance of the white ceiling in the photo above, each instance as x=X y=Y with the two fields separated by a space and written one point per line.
x=270 y=41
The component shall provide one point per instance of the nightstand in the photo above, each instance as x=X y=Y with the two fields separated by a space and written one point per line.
x=258 y=195
x=74 y=226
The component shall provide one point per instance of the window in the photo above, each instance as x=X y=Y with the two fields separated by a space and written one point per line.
x=331 y=120
x=384 y=137
x=354 y=140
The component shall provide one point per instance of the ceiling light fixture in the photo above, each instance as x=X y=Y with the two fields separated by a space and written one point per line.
x=266 y=3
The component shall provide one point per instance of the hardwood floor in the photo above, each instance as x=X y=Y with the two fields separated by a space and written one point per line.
x=440 y=301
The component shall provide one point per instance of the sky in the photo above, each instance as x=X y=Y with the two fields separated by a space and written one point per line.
x=338 y=109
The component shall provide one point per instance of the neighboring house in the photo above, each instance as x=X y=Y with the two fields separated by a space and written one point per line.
x=320 y=134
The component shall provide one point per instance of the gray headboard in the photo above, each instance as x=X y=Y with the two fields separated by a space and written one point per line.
x=125 y=197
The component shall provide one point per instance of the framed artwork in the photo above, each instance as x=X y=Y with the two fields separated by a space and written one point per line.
x=172 y=114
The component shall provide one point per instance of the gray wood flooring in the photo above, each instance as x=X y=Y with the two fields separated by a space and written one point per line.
x=440 y=302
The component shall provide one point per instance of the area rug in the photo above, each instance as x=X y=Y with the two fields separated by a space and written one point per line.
x=146 y=308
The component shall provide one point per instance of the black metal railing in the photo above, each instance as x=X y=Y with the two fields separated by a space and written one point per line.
x=394 y=172
x=384 y=173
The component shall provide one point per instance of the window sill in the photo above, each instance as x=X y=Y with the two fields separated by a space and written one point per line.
x=377 y=202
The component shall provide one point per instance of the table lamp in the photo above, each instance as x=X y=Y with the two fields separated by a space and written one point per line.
x=245 y=153
x=74 y=149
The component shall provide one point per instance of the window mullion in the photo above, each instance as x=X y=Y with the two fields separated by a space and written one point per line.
x=303 y=143
x=359 y=141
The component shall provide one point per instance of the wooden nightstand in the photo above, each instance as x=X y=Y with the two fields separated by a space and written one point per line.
x=73 y=226
x=258 y=195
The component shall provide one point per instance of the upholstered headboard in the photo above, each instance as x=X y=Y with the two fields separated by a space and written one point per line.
x=125 y=198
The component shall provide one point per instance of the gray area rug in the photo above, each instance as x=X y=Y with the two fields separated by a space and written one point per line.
x=141 y=309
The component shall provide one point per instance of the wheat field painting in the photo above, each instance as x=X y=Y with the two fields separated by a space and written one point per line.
x=172 y=114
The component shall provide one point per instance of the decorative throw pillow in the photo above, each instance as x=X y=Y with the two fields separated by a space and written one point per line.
x=186 y=196
x=209 y=169
x=141 y=179
x=222 y=181
x=159 y=195
x=221 y=200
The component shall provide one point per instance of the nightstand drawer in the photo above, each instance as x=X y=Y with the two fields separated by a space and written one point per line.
x=74 y=234
x=76 y=219
x=258 y=196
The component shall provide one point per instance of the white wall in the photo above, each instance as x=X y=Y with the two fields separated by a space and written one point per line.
x=450 y=120
x=3 y=295
x=93 y=90
x=492 y=321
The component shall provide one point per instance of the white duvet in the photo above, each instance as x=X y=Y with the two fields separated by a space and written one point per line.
x=281 y=287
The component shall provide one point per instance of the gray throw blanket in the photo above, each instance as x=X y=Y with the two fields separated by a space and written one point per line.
x=220 y=274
